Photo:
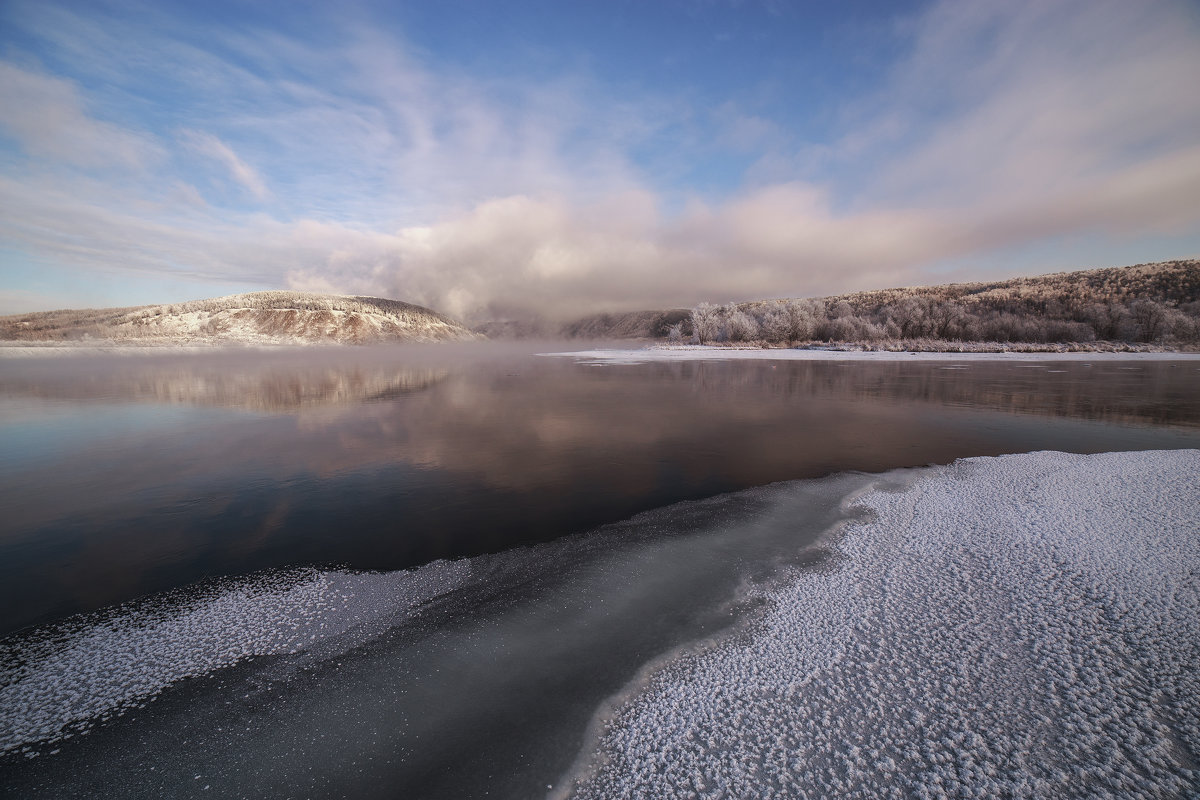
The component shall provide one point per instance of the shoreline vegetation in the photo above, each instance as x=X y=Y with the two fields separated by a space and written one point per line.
x=1143 y=308
x=944 y=346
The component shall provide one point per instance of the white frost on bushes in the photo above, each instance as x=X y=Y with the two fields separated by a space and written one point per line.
x=1024 y=626
x=59 y=680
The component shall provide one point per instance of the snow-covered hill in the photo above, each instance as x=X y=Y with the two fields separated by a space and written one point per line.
x=256 y=318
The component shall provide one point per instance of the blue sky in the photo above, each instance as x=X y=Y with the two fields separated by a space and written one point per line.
x=485 y=158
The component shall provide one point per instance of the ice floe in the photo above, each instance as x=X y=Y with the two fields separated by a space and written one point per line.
x=1023 y=626
x=59 y=680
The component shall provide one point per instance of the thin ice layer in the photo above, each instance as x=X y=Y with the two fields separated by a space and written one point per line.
x=62 y=679
x=1019 y=626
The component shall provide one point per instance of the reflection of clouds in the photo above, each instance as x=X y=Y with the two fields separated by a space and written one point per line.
x=559 y=424
x=735 y=422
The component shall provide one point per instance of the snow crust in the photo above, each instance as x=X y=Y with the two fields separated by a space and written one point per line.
x=1023 y=626
x=58 y=681
x=703 y=353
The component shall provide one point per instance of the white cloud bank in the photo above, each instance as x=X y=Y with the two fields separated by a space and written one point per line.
x=1006 y=124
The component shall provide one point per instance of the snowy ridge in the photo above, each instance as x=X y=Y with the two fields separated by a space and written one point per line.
x=255 y=318
x=58 y=681
x=1021 y=626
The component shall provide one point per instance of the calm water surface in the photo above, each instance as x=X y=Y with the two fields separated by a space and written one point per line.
x=121 y=476
x=126 y=476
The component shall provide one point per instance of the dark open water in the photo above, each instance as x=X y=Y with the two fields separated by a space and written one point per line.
x=124 y=477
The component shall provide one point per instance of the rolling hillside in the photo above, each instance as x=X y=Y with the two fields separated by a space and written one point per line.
x=255 y=318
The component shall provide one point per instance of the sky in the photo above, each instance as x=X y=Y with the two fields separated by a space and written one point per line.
x=495 y=159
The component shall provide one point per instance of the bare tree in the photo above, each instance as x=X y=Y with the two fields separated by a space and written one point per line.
x=911 y=316
x=1150 y=318
x=706 y=321
x=1108 y=320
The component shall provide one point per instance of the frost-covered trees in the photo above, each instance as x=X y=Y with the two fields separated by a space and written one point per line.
x=784 y=322
x=726 y=323
x=776 y=326
x=841 y=324
x=739 y=326
x=1157 y=303
x=771 y=322
x=803 y=318
x=706 y=319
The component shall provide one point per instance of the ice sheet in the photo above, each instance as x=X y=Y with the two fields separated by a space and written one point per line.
x=1019 y=626
x=60 y=680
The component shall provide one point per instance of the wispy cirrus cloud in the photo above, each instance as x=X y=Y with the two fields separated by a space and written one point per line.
x=212 y=147
x=1039 y=97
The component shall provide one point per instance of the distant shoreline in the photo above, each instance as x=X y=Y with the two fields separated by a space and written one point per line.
x=939 y=346
x=637 y=350
x=704 y=352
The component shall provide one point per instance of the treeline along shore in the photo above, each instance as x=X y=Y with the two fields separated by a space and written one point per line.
x=1141 y=306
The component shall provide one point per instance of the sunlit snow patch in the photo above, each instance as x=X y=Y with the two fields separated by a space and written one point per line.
x=1027 y=626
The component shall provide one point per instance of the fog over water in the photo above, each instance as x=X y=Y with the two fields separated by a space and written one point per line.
x=255 y=488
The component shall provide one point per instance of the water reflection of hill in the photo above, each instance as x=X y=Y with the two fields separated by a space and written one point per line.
x=1154 y=393
x=270 y=388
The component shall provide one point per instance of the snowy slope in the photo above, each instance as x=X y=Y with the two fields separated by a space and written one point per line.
x=254 y=318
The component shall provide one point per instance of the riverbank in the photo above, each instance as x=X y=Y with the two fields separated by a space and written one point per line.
x=703 y=352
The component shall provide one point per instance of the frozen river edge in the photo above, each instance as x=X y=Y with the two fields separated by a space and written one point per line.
x=1022 y=626
x=704 y=353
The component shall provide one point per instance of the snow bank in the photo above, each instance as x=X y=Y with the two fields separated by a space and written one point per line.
x=1020 y=626
x=60 y=680
x=693 y=353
